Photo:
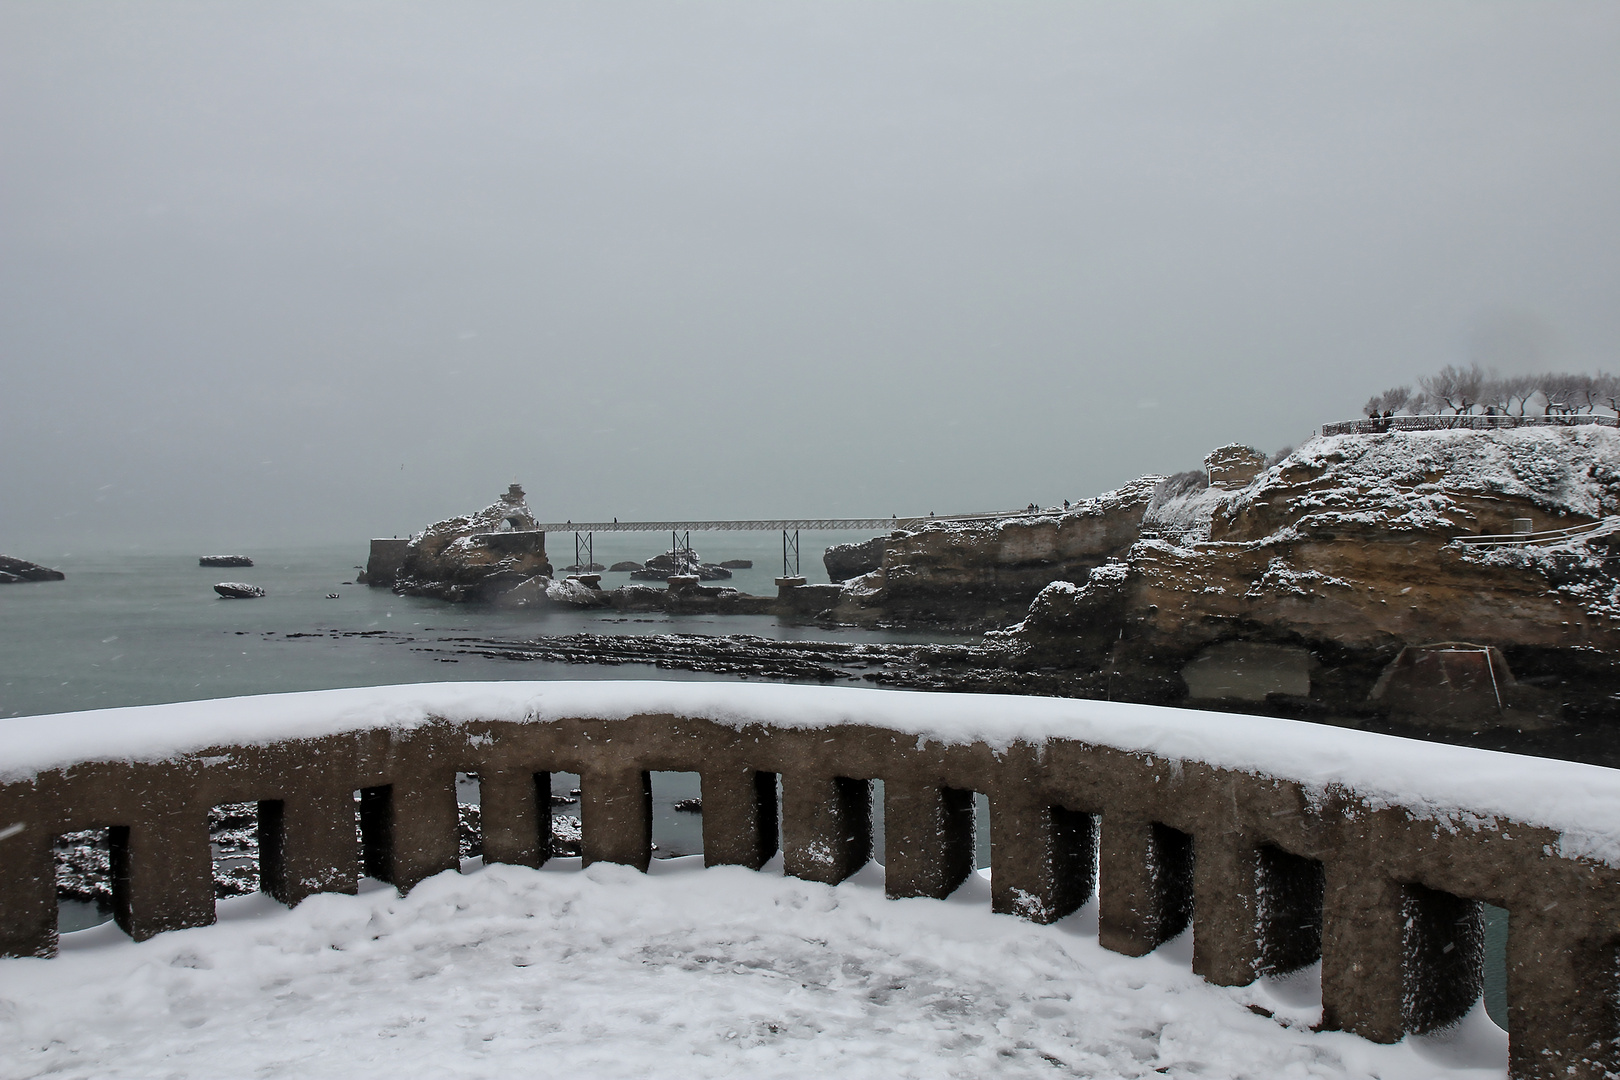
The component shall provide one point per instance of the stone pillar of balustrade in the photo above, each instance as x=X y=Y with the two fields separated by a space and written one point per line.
x=515 y=811
x=826 y=826
x=615 y=814
x=163 y=869
x=1363 y=951
x=27 y=889
x=1561 y=991
x=928 y=838
x=1226 y=939
x=739 y=817
x=1042 y=858
x=306 y=845
x=1145 y=895
x=412 y=826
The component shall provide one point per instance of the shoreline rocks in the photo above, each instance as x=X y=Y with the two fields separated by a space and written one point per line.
x=16 y=570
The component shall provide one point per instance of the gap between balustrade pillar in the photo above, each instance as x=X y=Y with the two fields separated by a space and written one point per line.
x=1042 y=858
x=1226 y=940
x=1561 y=987
x=306 y=845
x=826 y=826
x=1145 y=896
x=928 y=839
x=615 y=813
x=739 y=818
x=515 y=812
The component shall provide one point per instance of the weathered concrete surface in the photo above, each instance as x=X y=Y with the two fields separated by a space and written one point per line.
x=1270 y=876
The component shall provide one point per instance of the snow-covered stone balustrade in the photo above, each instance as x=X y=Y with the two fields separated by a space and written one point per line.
x=1279 y=843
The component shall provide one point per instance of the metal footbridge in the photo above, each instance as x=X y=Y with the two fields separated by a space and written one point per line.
x=680 y=539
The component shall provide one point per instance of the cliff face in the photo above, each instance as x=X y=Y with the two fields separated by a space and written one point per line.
x=981 y=574
x=477 y=556
x=1344 y=553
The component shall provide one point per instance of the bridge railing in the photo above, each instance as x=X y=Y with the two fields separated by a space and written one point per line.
x=1467 y=421
x=1279 y=844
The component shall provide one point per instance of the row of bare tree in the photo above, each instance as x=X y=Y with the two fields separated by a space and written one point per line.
x=1472 y=389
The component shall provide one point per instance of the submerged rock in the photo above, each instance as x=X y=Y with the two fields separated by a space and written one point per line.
x=679 y=562
x=238 y=590
x=14 y=570
x=737 y=564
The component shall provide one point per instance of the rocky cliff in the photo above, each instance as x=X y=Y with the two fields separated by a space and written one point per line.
x=981 y=574
x=1306 y=585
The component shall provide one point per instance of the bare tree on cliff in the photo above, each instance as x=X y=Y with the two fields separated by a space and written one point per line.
x=1391 y=401
x=1457 y=388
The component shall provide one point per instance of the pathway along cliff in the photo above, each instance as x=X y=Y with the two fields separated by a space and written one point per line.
x=1330 y=585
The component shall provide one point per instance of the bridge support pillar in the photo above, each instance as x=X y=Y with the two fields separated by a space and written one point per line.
x=1146 y=893
x=826 y=826
x=516 y=815
x=1041 y=858
x=615 y=814
x=306 y=845
x=928 y=839
x=1226 y=937
x=1561 y=983
x=739 y=818
x=27 y=889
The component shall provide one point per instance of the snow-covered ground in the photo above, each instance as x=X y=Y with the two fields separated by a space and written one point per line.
x=684 y=972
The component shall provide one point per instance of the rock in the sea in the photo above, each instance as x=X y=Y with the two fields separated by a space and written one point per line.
x=585 y=568
x=13 y=570
x=476 y=557
x=624 y=567
x=224 y=560
x=678 y=562
x=238 y=590
x=737 y=564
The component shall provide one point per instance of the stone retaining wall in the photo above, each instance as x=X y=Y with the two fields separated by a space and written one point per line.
x=1270 y=876
x=1379 y=424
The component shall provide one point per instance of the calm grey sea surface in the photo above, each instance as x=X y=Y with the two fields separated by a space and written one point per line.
x=140 y=629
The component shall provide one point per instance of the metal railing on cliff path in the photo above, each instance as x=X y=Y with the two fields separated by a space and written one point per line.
x=1280 y=844
x=1378 y=425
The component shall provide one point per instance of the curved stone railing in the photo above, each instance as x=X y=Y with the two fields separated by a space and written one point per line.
x=1280 y=843
x=1377 y=425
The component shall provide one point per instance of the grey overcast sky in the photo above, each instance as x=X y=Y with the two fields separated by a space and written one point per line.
x=282 y=271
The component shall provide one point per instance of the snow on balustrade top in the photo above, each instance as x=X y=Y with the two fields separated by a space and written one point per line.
x=1458 y=787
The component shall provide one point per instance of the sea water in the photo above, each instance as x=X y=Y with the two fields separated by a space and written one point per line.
x=145 y=628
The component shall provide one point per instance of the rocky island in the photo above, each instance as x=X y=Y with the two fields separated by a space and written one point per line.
x=15 y=570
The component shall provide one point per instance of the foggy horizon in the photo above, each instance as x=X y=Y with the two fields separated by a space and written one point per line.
x=323 y=272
